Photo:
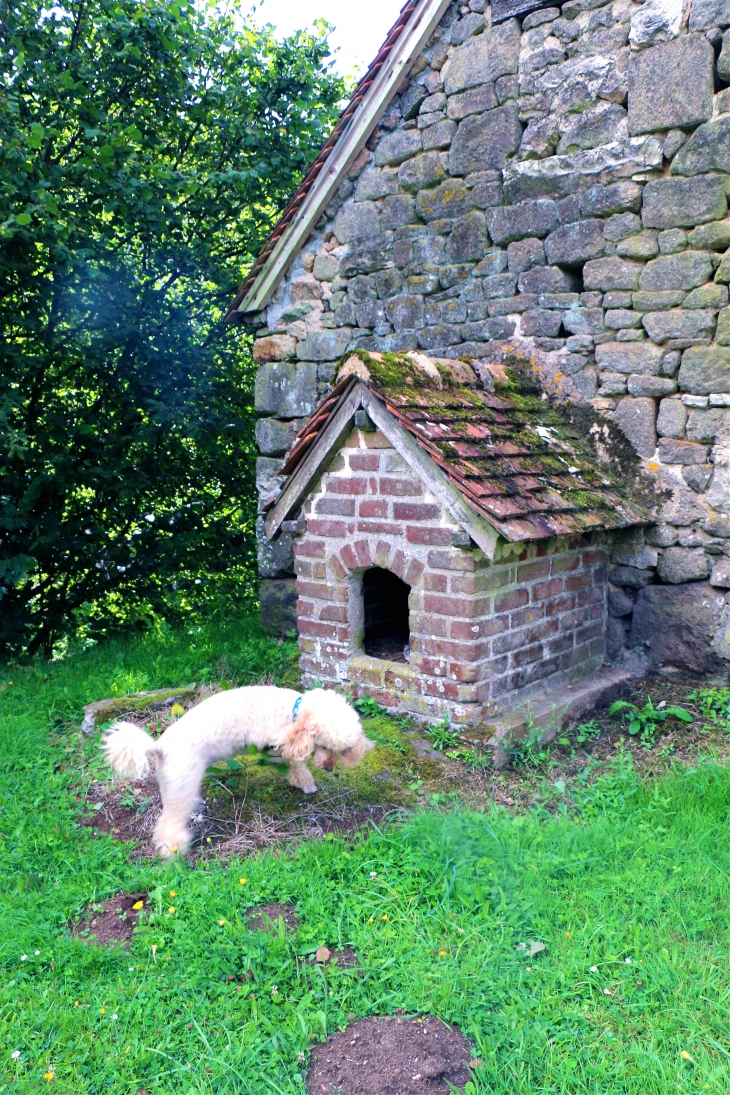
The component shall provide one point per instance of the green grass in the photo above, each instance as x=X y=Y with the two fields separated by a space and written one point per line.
x=435 y=908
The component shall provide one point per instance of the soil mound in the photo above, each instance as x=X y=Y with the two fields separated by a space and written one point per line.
x=390 y=1056
x=112 y=921
x=263 y=918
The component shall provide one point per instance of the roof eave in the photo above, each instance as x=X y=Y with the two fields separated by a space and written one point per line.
x=413 y=38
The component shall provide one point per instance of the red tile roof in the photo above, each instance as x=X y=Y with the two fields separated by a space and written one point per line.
x=309 y=179
x=518 y=460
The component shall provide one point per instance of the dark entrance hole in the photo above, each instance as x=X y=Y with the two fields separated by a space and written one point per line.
x=385 y=603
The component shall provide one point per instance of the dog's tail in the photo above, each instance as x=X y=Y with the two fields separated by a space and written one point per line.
x=129 y=748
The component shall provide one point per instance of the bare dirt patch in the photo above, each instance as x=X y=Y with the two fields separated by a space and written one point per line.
x=391 y=1056
x=111 y=921
x=264 y=918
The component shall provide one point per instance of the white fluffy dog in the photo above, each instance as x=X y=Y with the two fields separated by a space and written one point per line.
x=317 y=724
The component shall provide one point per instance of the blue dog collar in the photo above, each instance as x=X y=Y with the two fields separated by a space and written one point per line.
x=295 y=711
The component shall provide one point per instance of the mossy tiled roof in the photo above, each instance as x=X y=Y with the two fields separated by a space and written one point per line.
x=518 y=460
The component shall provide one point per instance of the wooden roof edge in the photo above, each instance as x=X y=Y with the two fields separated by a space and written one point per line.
x=380 y=84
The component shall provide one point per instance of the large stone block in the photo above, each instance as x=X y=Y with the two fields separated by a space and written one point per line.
x=603 y=124
x=604 y=201
x=611 y=273
x=655 y=386
x=676 y=625
x=705 y=370
x=375 y=253
x=524 y=254
x=275 y=437
x=681 y=323
x=673 y=451
x=485 y=140
x=323 y=346
x=685 y=270
x=574 y=244
x=708 y=149
x=287 y=390
x=356 y=220
x=398 y=146
x=475 y=101
x=376 y=183
x=547 y=279
x=682 y=203
x=629 y=357
x=560 y=176
x=468 y=239
x=671 y=84
x=449 y=199
x=637 y=418
x=583 y=321
x=655 y=21
x=677 y=565
x=421 y=172
x=274 y=348
x=709 y=13
x=275 y=558
x=483 y=59
x=672 y=418
x=515 y=222
x=278 y=606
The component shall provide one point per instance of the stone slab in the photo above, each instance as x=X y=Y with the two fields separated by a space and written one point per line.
x=675 y=625
x=671 y=84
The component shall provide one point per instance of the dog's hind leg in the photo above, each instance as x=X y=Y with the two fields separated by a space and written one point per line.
x=179 y=795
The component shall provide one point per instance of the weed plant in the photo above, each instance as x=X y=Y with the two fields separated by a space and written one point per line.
x=624 y=882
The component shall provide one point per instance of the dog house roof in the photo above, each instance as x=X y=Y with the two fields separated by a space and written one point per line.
x=511 y=462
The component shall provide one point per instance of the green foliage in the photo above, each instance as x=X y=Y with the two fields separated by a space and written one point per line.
x=714 y=704
x=442 y=736
x=627 y=890
x=368 y=707
x=645 y=721
x=148 y=147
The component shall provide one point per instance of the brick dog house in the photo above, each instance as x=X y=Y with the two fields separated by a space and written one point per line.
x=514 y=181
x=451 y=548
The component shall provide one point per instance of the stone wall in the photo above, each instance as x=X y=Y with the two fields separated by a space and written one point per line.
x=480 y=630
x=560 y=180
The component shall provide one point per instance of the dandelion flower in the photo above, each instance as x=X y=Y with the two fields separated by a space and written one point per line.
x=301 y=1057
x=138 y=905
x=607 y=992
x=173 y=893
x=442 y=954
x=154 y=948
x=221 y=923
x=76 y=1003
x=115 y=1016
x=567 y=935
x=594 y=969
x=24 y=958
x=36 y=952
x=15 y=1054
x=373 y=874
x=371 y=921
x=243 y=881
x=102 y=1011
x=627 y=961
x=131 y=969
x=50 y=1075
x=685 y=1056
x=171 y=910
x=384 y=916
x=274 y=990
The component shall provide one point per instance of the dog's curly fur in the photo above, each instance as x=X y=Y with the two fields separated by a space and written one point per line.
x=326 y=729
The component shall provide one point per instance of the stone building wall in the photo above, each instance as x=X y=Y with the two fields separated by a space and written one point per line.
x=561 y=180
x=479 y=629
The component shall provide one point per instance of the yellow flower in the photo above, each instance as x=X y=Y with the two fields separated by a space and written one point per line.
x=171 y=910
x=138 y=905
x=685 y=1056
x=370 y=921
x=221 y=923
x=384 y=916
x=442 y=954
x=76 y=1004
x=567 y=935
x=243 y=881
x=177 y=709
x=102 y=1011
x=172 y=893
x=50 y=1075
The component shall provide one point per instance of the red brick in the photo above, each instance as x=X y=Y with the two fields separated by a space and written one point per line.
x=561 y=563
x=375 y=441
x=529 y=615
x=542 y=590
x=452 y=606
x=560 y=604
x=515 y=598
x=465 y=629
x=451 y=560
x=463 y=652
x=478 y=582
x=530 y=572
x=511 y=640
x=578 y=581
x=592 y=596
x=341 y=484
x=320 y=591
x=588 y=558
x=362 y=550
x=335 y=632
x=336 y=567
x=435 y=582
x=348 y=557
x=312 y=549
x=571 y=620
x=382 y=553
x=319 y=570
x=373 y=507
x=544 y=668
x=447 y=690
x=303 y=568
x=365 y=461
x=437 y=537
x=413 y=573
x=415 y=511
x=400 y=487
x=345 y=507
x=398 y=563
x=561 y=644
x=543 y=630
x=337 y=613
x=599 y=576
x=336 y=530
x=428 y=626
x=590 y=631
x=379 y=526
x=305 y=608
x=577 y=543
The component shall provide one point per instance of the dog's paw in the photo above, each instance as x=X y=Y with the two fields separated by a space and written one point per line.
x=310 y=790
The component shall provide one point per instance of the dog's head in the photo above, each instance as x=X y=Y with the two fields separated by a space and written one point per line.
x=327 y=729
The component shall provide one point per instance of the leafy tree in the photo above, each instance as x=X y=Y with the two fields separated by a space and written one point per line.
x=147 y=148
